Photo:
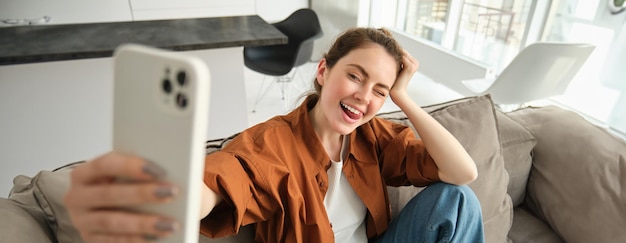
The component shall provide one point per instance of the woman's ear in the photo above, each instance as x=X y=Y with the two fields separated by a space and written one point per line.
x=321 y=72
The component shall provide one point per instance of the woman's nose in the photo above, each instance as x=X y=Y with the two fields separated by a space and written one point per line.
x=363 y=95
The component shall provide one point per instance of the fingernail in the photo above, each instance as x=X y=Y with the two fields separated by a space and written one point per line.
x=150 y=237
x=165 y=226
x=164 y=191
x=153 y=170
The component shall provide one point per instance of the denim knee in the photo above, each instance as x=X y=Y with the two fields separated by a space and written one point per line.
x=454 y=191
x=457 y=205
x=440 y=213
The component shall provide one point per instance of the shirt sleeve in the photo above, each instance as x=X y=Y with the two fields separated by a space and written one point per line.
x=249 y=194
x=403 y=158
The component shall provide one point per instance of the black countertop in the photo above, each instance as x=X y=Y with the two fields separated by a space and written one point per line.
x=43 y=43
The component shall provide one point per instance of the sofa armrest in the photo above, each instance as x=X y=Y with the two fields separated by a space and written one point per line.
x=22 y=223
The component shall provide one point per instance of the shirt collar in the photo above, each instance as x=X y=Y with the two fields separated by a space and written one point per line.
x=360 y=144
x=302 y=127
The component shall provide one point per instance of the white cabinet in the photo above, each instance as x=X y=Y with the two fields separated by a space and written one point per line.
x=64 y=11
x=167 y=9
x=90 y=11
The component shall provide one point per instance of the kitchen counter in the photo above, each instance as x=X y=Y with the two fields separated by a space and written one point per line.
x=43 y=43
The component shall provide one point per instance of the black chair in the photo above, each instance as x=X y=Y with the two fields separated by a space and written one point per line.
x=302 y=28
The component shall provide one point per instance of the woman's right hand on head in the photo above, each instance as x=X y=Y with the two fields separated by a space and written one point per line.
x=102 y=191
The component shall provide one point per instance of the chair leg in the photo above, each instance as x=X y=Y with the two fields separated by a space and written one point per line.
x=305 y=84
x=284 y=90
x=285 y=83
x=262 y=92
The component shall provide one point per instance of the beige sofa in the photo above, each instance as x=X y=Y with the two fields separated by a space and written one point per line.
x=545 y=175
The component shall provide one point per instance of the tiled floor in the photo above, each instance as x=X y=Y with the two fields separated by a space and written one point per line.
x=423 y=90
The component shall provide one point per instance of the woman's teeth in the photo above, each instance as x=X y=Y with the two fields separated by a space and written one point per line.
x=353 y=110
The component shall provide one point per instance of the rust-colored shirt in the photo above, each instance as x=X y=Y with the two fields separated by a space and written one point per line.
x=274 y=175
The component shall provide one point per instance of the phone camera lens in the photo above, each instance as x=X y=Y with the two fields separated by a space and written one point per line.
x=181 y=100
x=181 y=77
x=166 y=86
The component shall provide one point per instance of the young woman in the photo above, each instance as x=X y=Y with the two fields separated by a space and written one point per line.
x=317 y=174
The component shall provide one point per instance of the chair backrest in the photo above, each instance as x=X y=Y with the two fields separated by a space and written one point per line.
x=541 y=70
x=302 y=27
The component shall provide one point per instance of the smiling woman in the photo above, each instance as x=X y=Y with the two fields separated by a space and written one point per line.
x=317 y=174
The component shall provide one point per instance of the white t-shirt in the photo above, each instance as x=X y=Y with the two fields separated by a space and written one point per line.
x=345 y=209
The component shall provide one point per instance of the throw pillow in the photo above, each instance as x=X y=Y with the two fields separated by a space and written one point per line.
x=578 y=178
x=472 y=121
x=47 y=189
x=517 y=145
x=21 y=222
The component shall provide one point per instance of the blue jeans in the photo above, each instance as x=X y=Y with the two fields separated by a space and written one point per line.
x=440 y=213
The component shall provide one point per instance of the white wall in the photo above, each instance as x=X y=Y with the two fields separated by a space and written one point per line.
x=335 y=17
x=59 y=112
x=50 y=118
x=277 y=10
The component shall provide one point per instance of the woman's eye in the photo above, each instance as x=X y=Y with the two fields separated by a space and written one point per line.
x=380 y=93
x=354 y=77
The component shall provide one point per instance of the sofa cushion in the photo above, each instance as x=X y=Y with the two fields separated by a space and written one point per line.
x=578 y=179
x=48 y=189
x=529 y=229
x=472 y=121
x=517 y=145
x=23 y=223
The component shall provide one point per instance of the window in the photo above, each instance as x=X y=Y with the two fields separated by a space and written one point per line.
x=599 y=89
x=492 y=32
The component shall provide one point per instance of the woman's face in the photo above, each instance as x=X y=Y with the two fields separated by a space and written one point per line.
x=356 y=87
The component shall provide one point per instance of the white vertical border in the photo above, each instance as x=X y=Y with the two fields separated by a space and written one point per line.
x=363 y=18
x=453 y=20
x=401 y=9
x=539 y=12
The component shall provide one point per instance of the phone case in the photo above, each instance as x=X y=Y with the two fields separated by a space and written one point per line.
x=160 y=113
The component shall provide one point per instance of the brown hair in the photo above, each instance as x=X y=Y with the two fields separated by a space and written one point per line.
x=355 y=38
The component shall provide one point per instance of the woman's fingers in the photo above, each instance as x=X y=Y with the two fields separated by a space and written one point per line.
x=116 y=166
x=117 y=180
x=120 y=194
x=118 y=226
x=107 y=238
x=104 y=190
x=409 y=67
x=409 y=63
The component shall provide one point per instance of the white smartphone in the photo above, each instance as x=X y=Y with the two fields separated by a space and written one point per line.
x=160 y=113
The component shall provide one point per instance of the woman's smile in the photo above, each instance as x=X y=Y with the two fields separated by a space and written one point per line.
x=352 y=113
